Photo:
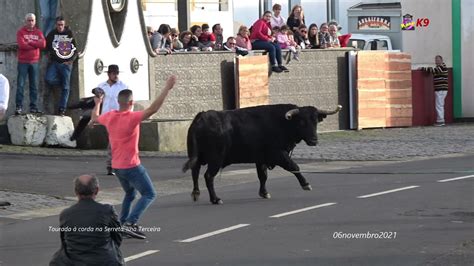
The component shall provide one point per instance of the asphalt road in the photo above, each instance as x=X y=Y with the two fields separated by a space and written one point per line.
x=421 y=221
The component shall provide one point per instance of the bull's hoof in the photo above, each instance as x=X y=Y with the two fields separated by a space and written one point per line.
x=307 y=187
x=195 y=195
x=265 y=195
x=217 y=202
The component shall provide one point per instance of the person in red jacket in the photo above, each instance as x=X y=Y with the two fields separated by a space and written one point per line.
x=262 y=39
x=30 y=41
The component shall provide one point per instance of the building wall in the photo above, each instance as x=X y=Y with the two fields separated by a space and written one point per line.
x=99 y=46
x=425 y=43
x=12 y=16
x=467 y=47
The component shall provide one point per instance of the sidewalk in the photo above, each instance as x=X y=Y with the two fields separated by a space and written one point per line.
x=364 y=145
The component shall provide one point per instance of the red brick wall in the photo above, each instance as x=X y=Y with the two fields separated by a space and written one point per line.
x=384 y=89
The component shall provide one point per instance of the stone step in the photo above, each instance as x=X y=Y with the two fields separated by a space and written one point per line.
x=45 y=130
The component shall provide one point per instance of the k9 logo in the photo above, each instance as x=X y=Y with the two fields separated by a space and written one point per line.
x=422 y=22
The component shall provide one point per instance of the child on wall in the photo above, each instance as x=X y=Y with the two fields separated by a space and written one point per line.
x=284 y=40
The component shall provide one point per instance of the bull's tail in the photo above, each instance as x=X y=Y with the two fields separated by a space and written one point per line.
x=192 y=150
x=190 y=164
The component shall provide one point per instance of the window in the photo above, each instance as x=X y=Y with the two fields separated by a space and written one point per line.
x=359 y=44
x=378 y=45
x=157 y=12
x=210 y=5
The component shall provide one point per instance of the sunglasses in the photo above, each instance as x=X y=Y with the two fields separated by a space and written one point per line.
x=303 y=31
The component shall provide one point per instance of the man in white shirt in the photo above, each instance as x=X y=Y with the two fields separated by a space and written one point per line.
x=4 y=95
x=111 y=87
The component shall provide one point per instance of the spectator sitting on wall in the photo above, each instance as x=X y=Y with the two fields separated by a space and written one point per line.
x=333 y=39
x=313 y=36
x=149 y=33
x=4 y=95
x=296 y=18
x=301 y=36
x=189 y=43
x=217 y=32
x=440 y=82
x=324 y=35
x=206 y=37
x=277 y=20
x=173 y=41
x=285 y=43
x=231 y=45
x=197 y=31
x=261 y=38
x=30 y=41
x=159 y=39
x=242 y=39
x=334 y=22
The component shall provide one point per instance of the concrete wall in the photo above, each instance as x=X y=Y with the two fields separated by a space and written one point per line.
x=206 y=81
x=12 y=17
x=319 y=79
x=426 y=42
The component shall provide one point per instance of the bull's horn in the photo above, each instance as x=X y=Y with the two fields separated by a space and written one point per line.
x=291 y=113
x=338 y=108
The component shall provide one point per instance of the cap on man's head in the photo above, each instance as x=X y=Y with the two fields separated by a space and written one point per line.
x=334 y=22
x=113 y=69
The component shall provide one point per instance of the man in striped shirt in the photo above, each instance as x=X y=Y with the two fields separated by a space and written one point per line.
x=440 y=80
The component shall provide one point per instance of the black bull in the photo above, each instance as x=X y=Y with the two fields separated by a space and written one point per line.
x=264 y=135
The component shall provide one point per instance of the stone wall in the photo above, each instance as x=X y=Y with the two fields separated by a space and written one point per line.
x=206 y=81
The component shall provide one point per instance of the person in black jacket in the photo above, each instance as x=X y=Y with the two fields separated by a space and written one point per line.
x=90 y=231
x=62 y=50
x=296 y=18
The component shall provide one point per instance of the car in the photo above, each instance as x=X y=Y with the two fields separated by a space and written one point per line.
x=370 y=42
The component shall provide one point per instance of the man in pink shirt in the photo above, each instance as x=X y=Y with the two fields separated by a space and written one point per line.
x=123 y=127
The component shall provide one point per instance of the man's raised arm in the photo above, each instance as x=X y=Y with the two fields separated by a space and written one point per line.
x=96 y=110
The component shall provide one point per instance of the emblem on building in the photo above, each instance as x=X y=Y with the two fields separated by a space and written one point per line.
x=407 y=22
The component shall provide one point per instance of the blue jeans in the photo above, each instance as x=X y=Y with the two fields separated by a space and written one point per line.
x=134 y=179
x=30 y=70
x=49 y=10
x=273 y=49
x=59 y=74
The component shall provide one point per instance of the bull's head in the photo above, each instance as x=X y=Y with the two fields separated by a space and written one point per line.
x=306 y=119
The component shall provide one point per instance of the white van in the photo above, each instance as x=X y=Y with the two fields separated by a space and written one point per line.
x=370 y=42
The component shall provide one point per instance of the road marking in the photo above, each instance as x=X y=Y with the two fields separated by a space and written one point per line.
x=386 y=192
x=139 y=255
x=212 y=233
x=456 y=178
x=303 y=210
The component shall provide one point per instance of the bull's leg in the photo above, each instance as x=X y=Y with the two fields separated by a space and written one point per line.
x=195 y=173
x=285 y=162
x=211 y=172
x=262 y=176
